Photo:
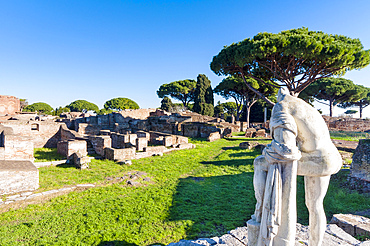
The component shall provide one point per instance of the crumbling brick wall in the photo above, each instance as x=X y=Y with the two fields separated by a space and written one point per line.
x=9 y=105
x=42 y=133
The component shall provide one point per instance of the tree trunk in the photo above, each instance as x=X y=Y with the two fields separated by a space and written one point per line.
x=360 y=111
x=331 y=105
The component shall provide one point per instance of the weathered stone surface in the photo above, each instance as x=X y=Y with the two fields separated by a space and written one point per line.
x=333 y=236
x=260 y=133
x=352 y=224
x=120 y=154
x=67 y=148
x=241 y=233
x=79 y=160
x=249 y=132
x=360 y=167
x=18 y=176
x=338 y=232
x=213 y=136
x=99 y=143
x=245 y=145
x=9 y=105
x=141 y=143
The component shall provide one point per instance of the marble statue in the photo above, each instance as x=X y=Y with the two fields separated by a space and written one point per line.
x=301 y=145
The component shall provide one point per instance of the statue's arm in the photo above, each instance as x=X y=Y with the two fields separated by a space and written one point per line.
x=285 y=136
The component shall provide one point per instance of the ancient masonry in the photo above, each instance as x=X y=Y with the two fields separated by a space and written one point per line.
x=121 y=136
x=9 y=105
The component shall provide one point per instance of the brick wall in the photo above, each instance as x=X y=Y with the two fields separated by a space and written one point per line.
x=100 y=143
x=9 y=105
x=141 y=114
x=18 y=148
x=43 y=133
x=69 y=147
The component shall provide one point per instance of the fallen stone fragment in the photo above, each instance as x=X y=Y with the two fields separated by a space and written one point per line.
x=133 y=183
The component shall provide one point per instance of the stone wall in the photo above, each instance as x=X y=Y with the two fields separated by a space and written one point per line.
x=137 y=113
x=69 y=147
x=9 y=105
x=360 y=167
x=17 y=148
x=120 y=154
x=100 y=143
x=18 y=176
x=347 y=124
x=43 y=133
x=67 y=134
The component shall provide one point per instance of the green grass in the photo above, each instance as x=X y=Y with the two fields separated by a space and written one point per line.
x=47 y=154
x=201 y=192
x=347 y=135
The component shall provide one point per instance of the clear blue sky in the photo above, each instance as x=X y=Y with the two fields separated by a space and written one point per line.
x=60 y=51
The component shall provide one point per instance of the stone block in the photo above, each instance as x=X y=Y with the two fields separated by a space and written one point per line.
x=214 y=136
x=141 y=143
x=260 y=133
x=245 y=145
x=185 y=146
x=67 y=148
x=120 y=154
x=99 y=143
x=169 y=141
x=181 y=140
x=132 y=138
x=360 y=167
x=354 y=225
x=79 y=160
x=18 y=176
x=155 y=150
x=249 y=132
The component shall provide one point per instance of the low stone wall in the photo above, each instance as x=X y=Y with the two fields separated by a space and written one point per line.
x=99 y=143
x=18 y=176
x=347 y=124
x=69 y=147
x=141 y=114
x=198 y=130
x=119 y=154
x=119 y=140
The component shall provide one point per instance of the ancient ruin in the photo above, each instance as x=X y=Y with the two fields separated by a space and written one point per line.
x=119 y=136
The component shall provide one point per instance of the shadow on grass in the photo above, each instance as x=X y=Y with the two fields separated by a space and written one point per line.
x=214 y=204
x=66 y=165
x=46 y=154
x=248 y=139
x=231 y=163
x=116 y=243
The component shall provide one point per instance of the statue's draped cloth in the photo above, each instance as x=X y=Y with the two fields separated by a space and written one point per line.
x=279 y=156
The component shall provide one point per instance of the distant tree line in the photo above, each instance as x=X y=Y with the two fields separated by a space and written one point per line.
x=112 y=105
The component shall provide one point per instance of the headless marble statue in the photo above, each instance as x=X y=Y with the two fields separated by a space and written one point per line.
x=301 y=145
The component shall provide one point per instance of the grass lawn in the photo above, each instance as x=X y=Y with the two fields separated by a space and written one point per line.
x=347 y=135
x=201 y=192
x=47 y=154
